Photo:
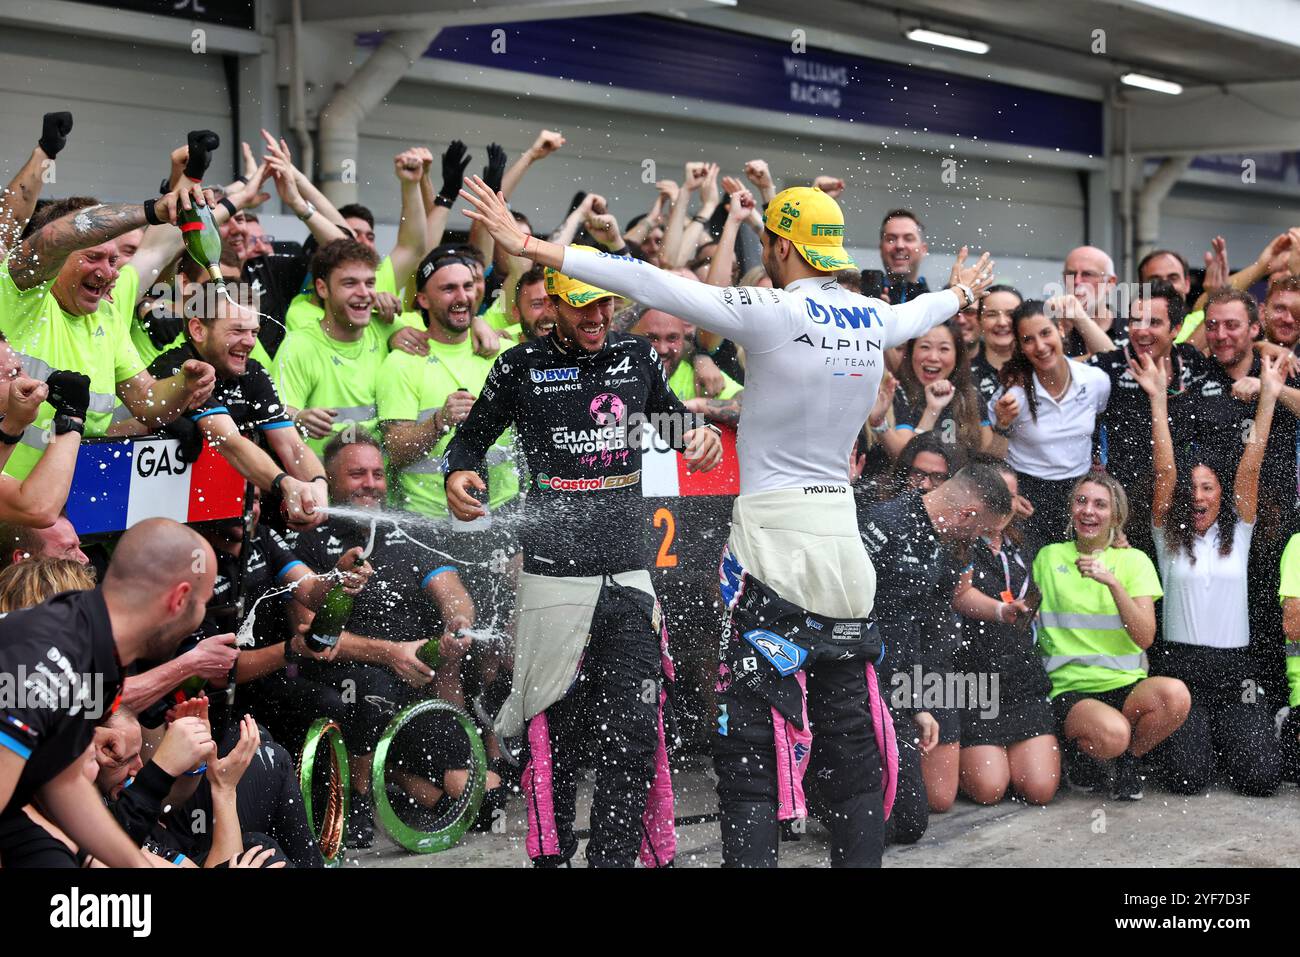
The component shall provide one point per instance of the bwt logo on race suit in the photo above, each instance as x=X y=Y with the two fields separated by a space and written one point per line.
x=568 y=374
x=593 y=484
x=855 y=317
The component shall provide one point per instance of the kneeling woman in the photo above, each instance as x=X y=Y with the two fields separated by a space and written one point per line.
x=1012 y=745
x=1096 y=620
x=1203 y=546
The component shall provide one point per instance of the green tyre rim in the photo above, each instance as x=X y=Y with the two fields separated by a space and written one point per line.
x=332 y=836
x=428 y=842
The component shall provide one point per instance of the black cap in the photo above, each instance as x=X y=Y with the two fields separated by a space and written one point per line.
x=439 y=257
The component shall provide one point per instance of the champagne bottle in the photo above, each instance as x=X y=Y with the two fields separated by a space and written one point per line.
x=202 y=239
x=330 y=620
x=430 y=653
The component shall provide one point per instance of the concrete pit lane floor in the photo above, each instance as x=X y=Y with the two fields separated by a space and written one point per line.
x=1215 y=829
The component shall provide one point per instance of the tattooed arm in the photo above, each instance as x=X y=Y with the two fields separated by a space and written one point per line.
x=718 y=411
x=19 y=200
x=38 y=257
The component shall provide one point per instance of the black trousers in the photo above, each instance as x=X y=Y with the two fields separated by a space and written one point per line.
x=1230 y=724
x=752 y=771
x=609 y=719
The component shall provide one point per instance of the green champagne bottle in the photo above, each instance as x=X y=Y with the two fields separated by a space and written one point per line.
x=330 y=620
x=430 y=652
x=202 y=239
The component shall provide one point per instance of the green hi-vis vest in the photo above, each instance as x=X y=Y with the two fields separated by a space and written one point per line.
x=313 y=371
x=1289 y=587
x=47 y=339
x=413 y=389
x=1081 y=637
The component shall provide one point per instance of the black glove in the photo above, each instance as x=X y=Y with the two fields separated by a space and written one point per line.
x=54 y=133
x=495 y=169
x=454 y=162
x=69 y=393
x=201 y=144
x=187 y=432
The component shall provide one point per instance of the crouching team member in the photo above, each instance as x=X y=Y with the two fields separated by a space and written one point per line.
x=816 y=354
x=590 y=647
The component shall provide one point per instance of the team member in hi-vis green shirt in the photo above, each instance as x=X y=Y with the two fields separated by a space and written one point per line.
x=306 y=309
x=328 y=372
x=56 y=313
x=1289 y=592
x=423 y=399
x=1096 y=621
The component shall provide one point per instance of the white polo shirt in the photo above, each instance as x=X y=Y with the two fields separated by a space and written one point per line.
x=1059 y=444
x=1205 y=602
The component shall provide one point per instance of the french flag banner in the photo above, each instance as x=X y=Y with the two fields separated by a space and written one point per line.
x=663 y=470
x=119 y=482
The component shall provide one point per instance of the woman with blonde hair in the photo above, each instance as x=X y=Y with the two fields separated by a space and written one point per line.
x=31 y=582
x=1096 y=621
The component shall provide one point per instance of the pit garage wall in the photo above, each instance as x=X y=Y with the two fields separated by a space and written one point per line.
x=131 y=105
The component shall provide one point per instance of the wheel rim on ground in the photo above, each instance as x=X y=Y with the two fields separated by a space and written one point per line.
x=411 y=838
x=334 y=823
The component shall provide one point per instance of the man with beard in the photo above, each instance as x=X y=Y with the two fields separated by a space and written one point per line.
x=412 y=596
x=74 y=647
x=244 y=417
x=1125 y=425
x=422 y=399
x=902 y=250
x=589 y=645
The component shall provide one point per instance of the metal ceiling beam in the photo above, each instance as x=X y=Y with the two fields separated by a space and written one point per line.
x=430 y=14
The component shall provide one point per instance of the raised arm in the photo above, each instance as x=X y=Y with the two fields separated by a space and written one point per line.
x=411 y=234
x=18 y=201
x=547 y=142
x=1246 y=487
x=1069 y=307
x=758 y=173
x=675 y=231
x=480 y=238
x=693 y=236
x=593 y=204
x=39 y=256
x=297 y=193
x=1154 y=379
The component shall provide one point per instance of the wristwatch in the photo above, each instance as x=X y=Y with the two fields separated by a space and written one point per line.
x=8 y=439
x=308 y=213
x=66 y=423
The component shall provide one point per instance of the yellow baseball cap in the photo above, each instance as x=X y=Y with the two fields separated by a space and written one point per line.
x=574 y=291
x=812 y=221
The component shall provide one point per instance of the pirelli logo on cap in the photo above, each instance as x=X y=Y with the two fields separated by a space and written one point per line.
x=827 y=229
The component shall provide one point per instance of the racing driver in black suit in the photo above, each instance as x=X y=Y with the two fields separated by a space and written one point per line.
x=590 y=655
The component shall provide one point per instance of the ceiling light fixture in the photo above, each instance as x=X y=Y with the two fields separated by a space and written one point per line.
x=964 y=44
x=1155 y=84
